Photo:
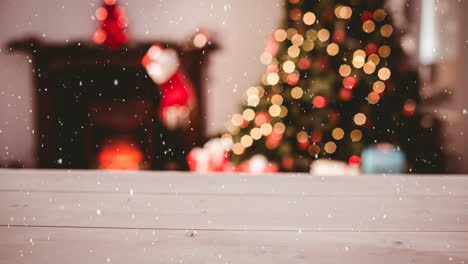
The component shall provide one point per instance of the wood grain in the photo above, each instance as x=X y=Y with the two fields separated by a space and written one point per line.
x=143 y=217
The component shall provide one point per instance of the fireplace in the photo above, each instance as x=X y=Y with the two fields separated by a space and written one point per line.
x=91 y=100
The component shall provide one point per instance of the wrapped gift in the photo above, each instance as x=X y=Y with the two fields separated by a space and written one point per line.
x=383 y=158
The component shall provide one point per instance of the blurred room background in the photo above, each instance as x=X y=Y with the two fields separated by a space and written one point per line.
x=435 y=37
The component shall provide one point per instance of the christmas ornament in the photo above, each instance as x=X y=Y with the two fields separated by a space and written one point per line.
x=112 y=30
x=177 y=94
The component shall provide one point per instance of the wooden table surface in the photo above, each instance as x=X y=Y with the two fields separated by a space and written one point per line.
x=52 y=216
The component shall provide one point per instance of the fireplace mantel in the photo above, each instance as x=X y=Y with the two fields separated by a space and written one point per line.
x=73 y=80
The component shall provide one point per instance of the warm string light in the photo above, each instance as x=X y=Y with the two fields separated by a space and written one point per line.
x=297 y=40
x=359 y=58
x=384 y=73
x=248 y=114
x=308 y=45
x=237 y=120
x=246 y=141
x=289 y=66
x=309 y=18
x=323 y=35
x=345 y=70
x=311 y=34
x=293 y=51
x=338 y=133
x=266 y=58
x=279 y=128
x=200 y=40
x=302 y=137
x=277 y=99
x=272 y=78
x=355 y=135
x=386 y=30
x=274 y=110
x=379 y=15
x=266 y=129
x=343 y=12
x=238 y=149
x=330 y=147
x=378 y=87
x=374 y=58
x=313 y=150
x=384 y=51
x=253 y=95
x=369 y=67
x=284 y=111
x=333 y=49
x=290 y=32
x=373 y=98
x=297 y=92
x=280 y=35
x=368 y=26
x=256 y=133
x=359 y=119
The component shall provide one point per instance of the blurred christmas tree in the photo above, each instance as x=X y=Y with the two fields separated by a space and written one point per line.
x=336 y=81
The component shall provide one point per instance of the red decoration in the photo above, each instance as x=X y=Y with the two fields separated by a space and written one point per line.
x=323 y=63
x=303 y=145
x=316 y=136
x=273 y=140
x=335 y=116
x=409 y=108
x=354 y=161
x=120 y=156
x=244 y=124
x=371 y=48
x=345 y=94
x=304 y=63
x=178 y=97
x=213 y=157
x=367 y=16
x=113 y=22
x=272 y=45
x=272 y=68
x=261 y=118
x=327 y=16
x=287 y=163
x=319 y=101
x=339 y=36
x=349 y=82
x=292 y=78
x=295 y=14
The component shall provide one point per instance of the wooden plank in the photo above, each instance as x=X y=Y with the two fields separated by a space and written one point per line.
x=142 y=217
x=441 y=213
x=69 y=245
x=275 y=184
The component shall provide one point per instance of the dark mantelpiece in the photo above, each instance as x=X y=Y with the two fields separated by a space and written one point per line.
x=85 y=93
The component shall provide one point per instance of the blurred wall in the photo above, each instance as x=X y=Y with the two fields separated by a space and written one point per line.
x=443 y=53
x=242 y=27
x=462 y=89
